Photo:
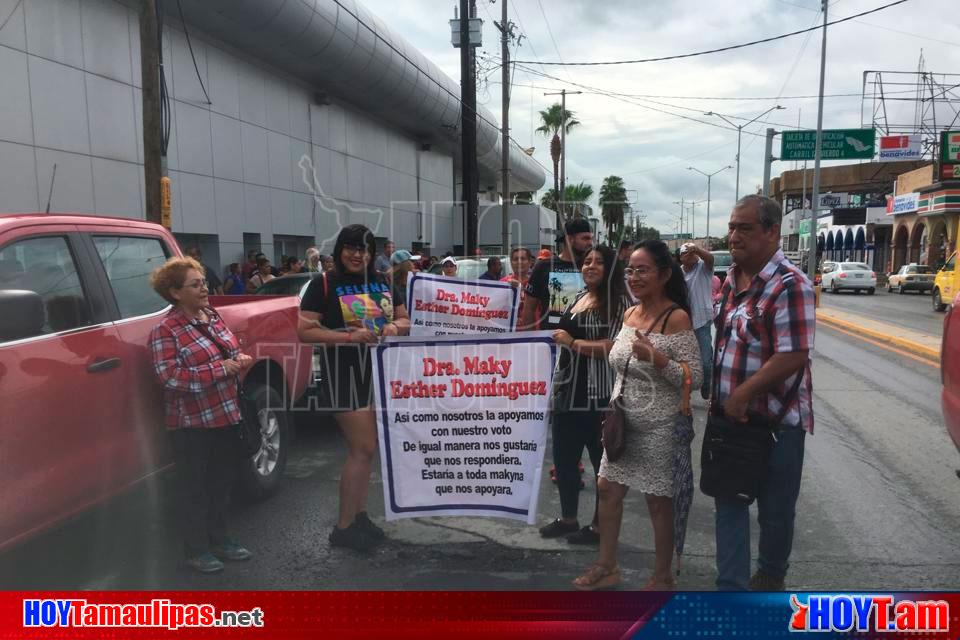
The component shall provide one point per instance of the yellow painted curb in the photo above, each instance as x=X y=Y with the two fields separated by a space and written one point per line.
x=901 y=343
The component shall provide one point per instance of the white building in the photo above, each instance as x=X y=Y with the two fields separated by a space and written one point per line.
x=290 y=84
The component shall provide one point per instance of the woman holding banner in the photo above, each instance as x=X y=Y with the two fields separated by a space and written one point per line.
x=584 y=380
x=347 y=310
x=657 y=336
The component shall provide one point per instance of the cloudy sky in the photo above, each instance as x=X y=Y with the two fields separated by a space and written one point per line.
x=632 y=136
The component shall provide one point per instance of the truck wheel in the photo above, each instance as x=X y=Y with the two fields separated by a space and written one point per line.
x=937 y=302
x=871 y=291
x=260 y=475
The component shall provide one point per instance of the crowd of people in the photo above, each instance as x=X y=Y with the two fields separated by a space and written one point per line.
x=639 y=324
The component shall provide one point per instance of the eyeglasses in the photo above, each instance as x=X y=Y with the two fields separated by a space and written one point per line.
x=629 y=272
x=355 y=248
x=197 y=284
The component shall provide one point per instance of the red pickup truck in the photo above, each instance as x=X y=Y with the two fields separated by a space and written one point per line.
x=82 y=414
x=950 y=371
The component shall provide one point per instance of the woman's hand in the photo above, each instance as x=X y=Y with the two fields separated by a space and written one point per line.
x=643 y=349
x=232 y=366
x=390 y=329
x=361 y=335
x=563 y=338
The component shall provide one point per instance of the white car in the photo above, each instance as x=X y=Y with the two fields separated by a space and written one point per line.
x=848 y=275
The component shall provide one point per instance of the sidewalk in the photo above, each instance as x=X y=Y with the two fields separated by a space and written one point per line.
x=919 y=343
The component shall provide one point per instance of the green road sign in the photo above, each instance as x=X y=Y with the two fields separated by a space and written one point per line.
x=838 y=144
x=804 y=227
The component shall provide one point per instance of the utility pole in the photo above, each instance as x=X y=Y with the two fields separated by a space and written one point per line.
x=815 y=205
x=505 y=32
x=152 y=129
x=681 y=203
x=709 y=177
x=768 y=160
x=468 y=123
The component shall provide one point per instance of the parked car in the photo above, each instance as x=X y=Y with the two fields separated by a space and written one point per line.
x=950 y=373
x=721 y=263
x=945 y=285
x=82 y=412
x=911 y=277
x=854 y=276
x=292 y=284
x=472 y=267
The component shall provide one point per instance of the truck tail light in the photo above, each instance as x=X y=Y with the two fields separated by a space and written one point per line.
x=873 y=274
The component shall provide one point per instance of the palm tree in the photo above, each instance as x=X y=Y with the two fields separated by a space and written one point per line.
x=613 y=205
x=549 y=200
x=575 y=197
x=551 y=120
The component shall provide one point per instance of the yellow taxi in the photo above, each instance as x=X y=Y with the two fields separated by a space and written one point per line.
x=946 y=284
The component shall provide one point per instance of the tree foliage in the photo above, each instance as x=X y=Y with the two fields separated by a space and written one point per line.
x=613 y=205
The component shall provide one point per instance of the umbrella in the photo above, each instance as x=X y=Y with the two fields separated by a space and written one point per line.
x=682 y=467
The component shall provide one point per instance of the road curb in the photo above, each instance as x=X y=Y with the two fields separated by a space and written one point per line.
x=901 y=343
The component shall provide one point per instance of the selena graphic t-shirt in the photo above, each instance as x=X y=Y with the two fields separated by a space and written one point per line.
x=350 y=300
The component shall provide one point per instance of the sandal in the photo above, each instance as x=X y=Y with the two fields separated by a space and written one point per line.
x=598 y=578
x=658 y=585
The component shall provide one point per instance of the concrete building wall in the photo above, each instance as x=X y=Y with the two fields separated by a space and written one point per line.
x=70 y=87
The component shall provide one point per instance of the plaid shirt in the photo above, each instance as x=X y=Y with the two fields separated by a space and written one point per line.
x=197 y=390
x=775 y=314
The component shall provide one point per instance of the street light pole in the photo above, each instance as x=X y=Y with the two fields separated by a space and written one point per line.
x=815 y=205
x=709 y=178
x=739 y=128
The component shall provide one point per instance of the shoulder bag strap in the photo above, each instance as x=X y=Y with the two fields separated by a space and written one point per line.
x=663 y=316
x=685 y=391
x=791 y=394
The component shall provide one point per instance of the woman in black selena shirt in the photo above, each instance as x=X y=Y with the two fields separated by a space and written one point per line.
x=348 y=309
x=586 y=329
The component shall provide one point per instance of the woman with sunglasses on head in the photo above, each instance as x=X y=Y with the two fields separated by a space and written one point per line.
x=197 y=359
x=586 y=332
x=657 y=336
x=347 y=310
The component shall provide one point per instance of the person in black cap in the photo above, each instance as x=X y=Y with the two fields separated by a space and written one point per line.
x=554 y=283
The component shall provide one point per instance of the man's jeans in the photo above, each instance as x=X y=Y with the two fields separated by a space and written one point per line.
x=776 y=503
x=705 y=339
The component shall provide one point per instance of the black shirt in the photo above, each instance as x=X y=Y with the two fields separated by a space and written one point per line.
x=553 y=286
x=346 y=299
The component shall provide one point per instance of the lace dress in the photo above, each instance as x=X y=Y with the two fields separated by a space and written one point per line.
x=651 y=399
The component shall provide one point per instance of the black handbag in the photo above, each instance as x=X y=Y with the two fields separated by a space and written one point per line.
x=249 y=435
x=613 y=421
x=735 y=455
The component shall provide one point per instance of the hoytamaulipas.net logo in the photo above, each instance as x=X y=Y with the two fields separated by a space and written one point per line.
x=159 y=612
x=878 y=613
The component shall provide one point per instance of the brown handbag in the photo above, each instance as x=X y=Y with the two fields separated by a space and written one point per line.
x=613 y=422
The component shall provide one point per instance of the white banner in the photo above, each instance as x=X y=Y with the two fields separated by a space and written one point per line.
x=439 y=306
x=901 y=148
x=463 y=424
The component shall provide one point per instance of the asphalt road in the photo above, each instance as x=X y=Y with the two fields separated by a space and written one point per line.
x=910 y=310
x=879 y=509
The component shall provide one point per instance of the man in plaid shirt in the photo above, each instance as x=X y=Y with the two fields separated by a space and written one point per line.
x=765 y=331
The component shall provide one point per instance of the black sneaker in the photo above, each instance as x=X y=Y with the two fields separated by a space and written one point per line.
x=760 y=581
x=558 y=528
x=586 y=535
x=367 y=526
x=353 y=537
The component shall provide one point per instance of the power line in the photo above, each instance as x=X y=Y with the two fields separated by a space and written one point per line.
x=439 y=84
x=642 y=106
x=719 y=50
